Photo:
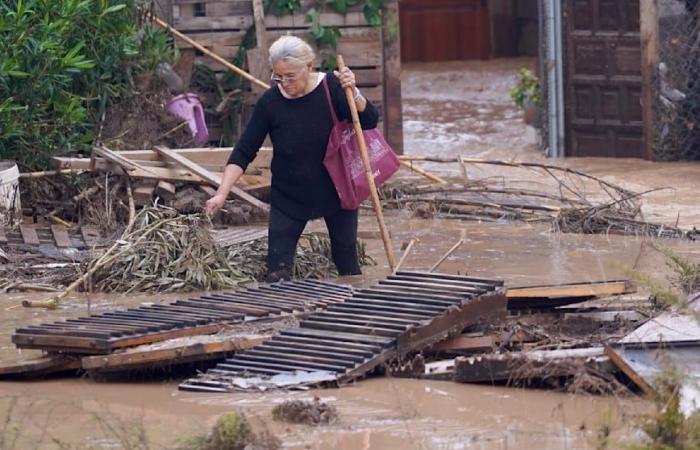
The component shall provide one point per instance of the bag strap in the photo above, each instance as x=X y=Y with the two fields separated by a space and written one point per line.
x=330 y=101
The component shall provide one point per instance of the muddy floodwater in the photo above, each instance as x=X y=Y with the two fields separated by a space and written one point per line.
x=449 y=109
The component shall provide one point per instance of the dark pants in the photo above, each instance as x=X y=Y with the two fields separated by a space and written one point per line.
x=284 y=233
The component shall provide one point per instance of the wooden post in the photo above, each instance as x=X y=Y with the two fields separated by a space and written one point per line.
x=649 y=33
x=392 y=115
x=368 y=171
x=257 y=57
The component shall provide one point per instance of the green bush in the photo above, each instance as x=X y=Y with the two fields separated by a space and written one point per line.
x=61 y=64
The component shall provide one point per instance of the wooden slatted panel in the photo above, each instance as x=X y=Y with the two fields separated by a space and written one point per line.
x=406 y=312
x=103 y=333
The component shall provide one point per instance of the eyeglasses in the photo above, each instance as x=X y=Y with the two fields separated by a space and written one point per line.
x=285 y=78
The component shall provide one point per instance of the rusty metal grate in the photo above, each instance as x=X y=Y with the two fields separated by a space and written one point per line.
x=405 y=312
x=103 y=333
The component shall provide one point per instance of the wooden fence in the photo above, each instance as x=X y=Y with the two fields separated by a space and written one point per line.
x=372 y=52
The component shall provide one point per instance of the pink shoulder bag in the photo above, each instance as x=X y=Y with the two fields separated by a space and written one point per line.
x=344 y=163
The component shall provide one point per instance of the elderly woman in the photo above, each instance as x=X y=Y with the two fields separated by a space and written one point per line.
x=296 y=114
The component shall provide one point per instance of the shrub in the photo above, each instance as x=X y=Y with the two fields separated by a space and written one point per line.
x=61 y=65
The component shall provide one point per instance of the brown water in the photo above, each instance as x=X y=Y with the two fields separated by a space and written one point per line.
x=450 y=109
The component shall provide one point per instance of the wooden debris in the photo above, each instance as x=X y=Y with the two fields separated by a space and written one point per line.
x=670 y=341
x=29 y=235
x=36 y=367
x=177 y=351
x=210 y=177
x=550 y=296
x=60 y=236
x=143 y=192
x=165 y=190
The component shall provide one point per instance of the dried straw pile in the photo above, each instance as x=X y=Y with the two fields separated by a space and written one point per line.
x=166 y=251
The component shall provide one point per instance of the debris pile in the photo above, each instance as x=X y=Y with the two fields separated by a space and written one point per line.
x=313 y=412
x=571 y=201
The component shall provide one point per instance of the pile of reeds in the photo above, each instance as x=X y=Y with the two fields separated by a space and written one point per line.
x=165 y=251
x=312 y=260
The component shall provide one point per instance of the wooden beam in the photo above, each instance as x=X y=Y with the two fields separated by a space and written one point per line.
x=39 y=366
x=3 y=236
x=393 y=117
x=165 y=190
x=143 y=192
x=209 y=176
x=29 y=235
x=621 y=364
x=595 y=289
x=649 y=34
x=60 y=236
x=150 y=356
x=127 y=165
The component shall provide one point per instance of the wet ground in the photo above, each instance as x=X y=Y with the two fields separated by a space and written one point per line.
x=449 y=109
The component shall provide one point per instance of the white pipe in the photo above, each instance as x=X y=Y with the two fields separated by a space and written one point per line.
x=552 y=125
x=559 y=58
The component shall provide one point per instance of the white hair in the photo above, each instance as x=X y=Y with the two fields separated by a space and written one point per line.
x=291 y=49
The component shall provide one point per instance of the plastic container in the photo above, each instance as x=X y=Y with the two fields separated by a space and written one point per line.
x=10 y=205
x=189 y=108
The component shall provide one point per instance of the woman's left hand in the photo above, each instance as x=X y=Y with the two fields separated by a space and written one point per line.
x=346 y=77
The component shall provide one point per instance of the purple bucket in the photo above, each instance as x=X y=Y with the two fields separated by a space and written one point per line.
x=189 y=108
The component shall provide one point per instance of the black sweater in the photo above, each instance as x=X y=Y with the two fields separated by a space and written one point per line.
x=299 y=129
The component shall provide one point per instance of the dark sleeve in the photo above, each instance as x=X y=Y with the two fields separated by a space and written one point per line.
x=252 y=138
x=368 y=118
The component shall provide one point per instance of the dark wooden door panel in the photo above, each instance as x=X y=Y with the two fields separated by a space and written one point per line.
x=444 y=30
x=603 y=80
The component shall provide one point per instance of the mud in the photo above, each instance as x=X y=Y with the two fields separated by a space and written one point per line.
x=450 y=109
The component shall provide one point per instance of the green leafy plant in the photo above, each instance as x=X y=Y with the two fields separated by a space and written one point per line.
x=527 y=91
x=61 y=65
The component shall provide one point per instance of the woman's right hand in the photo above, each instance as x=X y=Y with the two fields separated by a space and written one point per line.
x=214 y=204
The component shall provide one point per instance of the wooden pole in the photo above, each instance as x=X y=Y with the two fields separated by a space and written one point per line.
x=207 y=52
x=368 y=171
x=446 y=255
x=410 y=245
x=425 y=173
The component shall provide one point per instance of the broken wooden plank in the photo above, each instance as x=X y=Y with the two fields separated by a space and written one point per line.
x=501 y=367
x=165 y=190
x=43 y=365
x=126 y=164
x=210 y=177
x=150 y=356
x=143 y=192
x=586 y=289
x=60 y=236
x=551 y=296
x=29 y=235
x=206 y=157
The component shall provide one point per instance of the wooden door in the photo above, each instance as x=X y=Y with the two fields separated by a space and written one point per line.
x=444 y=30
x=603 y=82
